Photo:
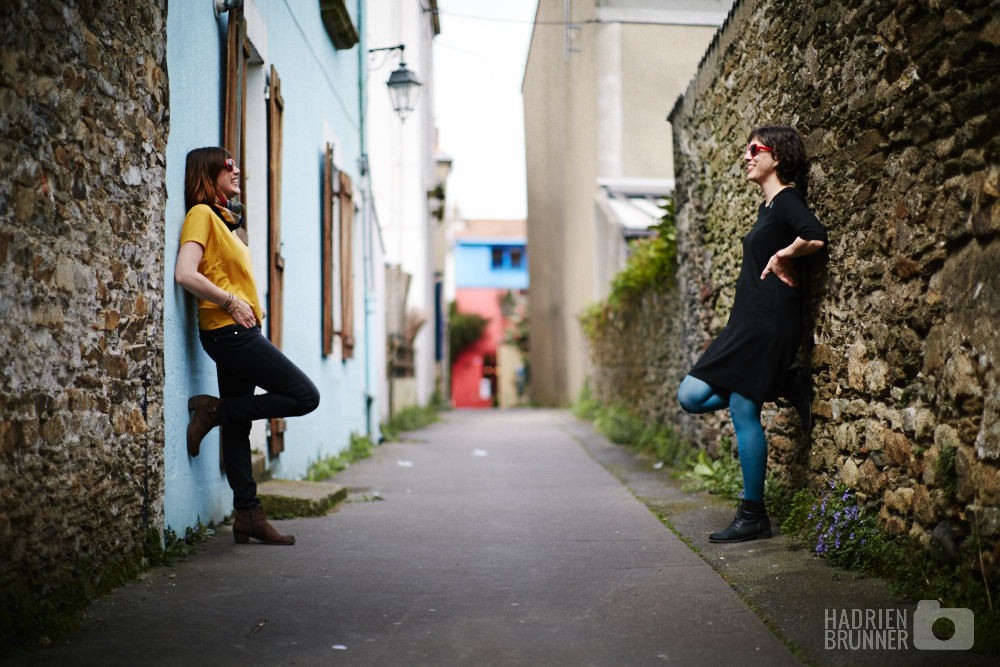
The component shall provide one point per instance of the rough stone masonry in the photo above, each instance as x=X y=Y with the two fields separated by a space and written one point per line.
x=83 y=128
x=898 y=104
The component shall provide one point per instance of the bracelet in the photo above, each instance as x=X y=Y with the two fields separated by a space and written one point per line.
x=229 y=301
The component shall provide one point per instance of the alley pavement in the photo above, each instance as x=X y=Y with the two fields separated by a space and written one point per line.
x=489 y=538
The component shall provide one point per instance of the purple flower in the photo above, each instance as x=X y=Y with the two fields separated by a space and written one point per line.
x=847 y=494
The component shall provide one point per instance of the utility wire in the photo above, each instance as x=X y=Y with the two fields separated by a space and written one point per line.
x=567 y=24
x=322 y=68
x=503 y=20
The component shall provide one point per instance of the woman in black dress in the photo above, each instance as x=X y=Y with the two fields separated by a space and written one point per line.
x=750 y=361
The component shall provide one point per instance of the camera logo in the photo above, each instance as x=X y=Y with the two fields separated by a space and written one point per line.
x=929 y=611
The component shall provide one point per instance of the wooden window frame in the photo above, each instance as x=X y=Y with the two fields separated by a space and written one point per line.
x=234 y=121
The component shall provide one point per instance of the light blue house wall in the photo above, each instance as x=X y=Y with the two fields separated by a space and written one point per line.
x=474 y=264
x=322 y=89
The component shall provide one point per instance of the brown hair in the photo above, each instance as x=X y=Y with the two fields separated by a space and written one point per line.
x=789 y=152
x=201 y=171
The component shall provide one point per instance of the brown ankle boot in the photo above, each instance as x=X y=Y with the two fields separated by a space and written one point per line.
x=204 y=419
x=252 y=523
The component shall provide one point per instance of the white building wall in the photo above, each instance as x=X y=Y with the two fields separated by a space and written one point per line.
x=402 y=163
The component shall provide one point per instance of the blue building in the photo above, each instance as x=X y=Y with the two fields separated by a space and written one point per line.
x=282 y=85
x=491 y=254
x=491 y=279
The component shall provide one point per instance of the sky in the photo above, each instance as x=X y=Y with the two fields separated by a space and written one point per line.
x=479 y=61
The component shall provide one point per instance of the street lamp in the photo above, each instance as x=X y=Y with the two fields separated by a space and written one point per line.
x=402 y=84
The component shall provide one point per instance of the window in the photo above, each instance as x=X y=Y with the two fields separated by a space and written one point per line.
x=235 y=128
x=239 y=52
x=276 y=263
x=506 y=257
x=327 y=252
x=346 y=266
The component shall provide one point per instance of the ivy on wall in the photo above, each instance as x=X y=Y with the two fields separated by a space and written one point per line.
x=651 y=266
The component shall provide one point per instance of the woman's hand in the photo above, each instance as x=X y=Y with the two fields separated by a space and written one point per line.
x=187 y=276
x=242 y=313
x=782 y=268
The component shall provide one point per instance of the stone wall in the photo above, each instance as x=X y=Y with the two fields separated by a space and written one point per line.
x=897 y=102
x=83 y=128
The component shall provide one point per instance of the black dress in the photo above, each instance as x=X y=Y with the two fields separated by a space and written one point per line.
x=752 y=354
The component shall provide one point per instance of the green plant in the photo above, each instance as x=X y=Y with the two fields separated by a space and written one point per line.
x=778 y=499
x=721 y=476
x=412 y=418
x=619 y=425
x=652 y=261
x=836 y=527
x=945 y=469
x=464 y=329
x=652 y=264
x=662 y=442
x=586 y=405
x=359 y=447
x=595 y=319
x=175 y=547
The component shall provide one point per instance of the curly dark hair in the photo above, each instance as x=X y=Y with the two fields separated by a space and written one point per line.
x=789 y=151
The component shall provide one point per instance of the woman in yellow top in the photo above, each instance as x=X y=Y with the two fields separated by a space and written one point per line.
x=213 y=264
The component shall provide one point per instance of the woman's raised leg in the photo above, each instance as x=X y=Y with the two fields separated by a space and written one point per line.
x=698 y=396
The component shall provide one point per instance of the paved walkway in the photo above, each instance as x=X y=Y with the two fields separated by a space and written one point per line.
x=498 y=540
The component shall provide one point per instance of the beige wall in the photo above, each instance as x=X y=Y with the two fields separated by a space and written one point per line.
x=544 y=90
x=658 y=62
x=600 y=112
x=509 y=362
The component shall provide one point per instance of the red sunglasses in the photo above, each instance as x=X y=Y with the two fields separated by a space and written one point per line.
x=756 y=148
x=231 y=163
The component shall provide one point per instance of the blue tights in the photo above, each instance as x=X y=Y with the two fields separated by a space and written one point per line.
x=698 y=396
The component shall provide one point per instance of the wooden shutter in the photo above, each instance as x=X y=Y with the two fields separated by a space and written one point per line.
x=327 y=252
x=276 y=262
x=235 y=130
x=346 y=281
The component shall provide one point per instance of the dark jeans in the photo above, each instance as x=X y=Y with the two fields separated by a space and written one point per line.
x=244 y=360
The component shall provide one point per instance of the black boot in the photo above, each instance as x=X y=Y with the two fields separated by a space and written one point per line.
x=751 y=523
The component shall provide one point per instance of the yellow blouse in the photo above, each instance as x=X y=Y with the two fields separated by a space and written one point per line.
x=226 y=262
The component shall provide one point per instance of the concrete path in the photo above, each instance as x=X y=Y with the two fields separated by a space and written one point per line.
x=498 y=540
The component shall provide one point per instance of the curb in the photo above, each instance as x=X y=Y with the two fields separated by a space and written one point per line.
x=288 y=499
